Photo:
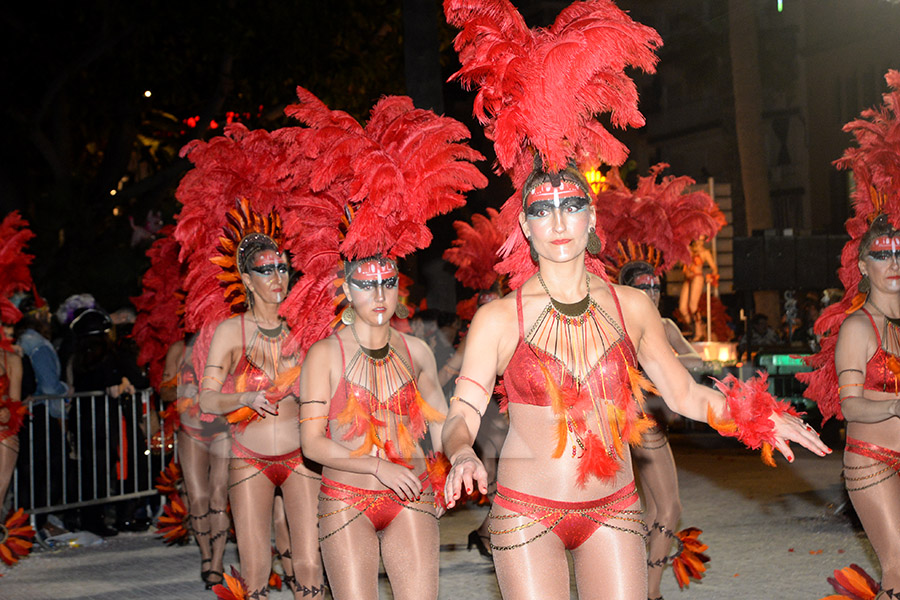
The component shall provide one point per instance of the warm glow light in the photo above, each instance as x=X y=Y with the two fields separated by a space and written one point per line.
x=112 y=192
x=597 y=180
x=116 y=211
x=147 y=94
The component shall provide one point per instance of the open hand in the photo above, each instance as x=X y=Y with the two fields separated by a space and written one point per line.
x=258 y=402
x=401 y=480
x=789 y=428
x=466 y=471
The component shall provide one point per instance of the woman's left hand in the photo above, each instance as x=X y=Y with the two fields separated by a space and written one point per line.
x=789 y=428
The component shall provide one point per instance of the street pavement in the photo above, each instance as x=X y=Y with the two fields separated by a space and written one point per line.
x=773 y=534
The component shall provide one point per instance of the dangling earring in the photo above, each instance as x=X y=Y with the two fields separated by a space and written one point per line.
x=864 y=284
x=348 y=317
x=401 y=312
x=594 y=246
x=534 y=254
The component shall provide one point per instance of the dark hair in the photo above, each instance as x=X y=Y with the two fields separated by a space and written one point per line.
x=250 y=246
x=881 y=226
x=540 y=176
x=634 y=269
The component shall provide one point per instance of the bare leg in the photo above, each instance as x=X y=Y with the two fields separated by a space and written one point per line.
x=349 y=550
x=694 y=307
x=283 y=541
x=193 y=458
x=878 y=508
x=611 y=565
x=300 y=493
x=9 y=453
x=219 y=519
x=409 y=548
x=535 y=570
x=252 y=497
x=662 y=506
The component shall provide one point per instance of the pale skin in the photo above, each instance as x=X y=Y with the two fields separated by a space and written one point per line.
x=559 y=236
x=409 y=544
x=204 y=466
x=872 y=416
x=274 y=433
x=692 y=288
x=11 y=365
x=654 y=460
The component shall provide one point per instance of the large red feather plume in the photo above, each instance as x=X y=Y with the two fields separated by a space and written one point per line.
x=160 y=307
x=474 y=251
x=372 y=189
x=875 y=162
x=15 y=276
x=539 y=91
x=657 y=221
x=262 y=173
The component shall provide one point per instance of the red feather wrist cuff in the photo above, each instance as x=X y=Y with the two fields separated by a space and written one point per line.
x=748 y=408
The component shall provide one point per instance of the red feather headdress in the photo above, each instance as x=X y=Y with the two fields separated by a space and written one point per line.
x=371 y=191
x=242 y=182
x=160 y=307
x=540 y=90
x=875 y=162
x=474 y=253
x=15 y=276
x=657 y=221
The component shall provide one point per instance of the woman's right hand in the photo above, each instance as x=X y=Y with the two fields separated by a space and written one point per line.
x=258 y=402
x=401 y=480
x=466 y=470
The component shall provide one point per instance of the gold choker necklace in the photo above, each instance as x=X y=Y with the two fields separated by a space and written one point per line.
x=575 y=309
x=373 y=353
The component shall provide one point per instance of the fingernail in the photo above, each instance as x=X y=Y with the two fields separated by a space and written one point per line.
x=468 y=490
x=790 y=459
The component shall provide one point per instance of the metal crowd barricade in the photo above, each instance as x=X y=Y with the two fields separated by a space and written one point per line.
x=99 y=452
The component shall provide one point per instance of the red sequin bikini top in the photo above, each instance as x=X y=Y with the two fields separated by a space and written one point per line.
x=883 y=369
x=247 y=377
x=395 y=423
x=524 y=376
x=597 y=415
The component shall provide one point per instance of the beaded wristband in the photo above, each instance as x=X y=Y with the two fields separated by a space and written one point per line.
x=467 y=403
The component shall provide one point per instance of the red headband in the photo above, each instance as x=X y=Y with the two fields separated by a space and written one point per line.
x=546 y=191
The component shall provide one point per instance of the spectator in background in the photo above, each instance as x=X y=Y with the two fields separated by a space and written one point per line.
x=759 y=334
x=43 y=378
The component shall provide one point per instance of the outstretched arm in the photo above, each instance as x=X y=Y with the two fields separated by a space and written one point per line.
x=690 y=399
x=856 y=345
x=316 y=390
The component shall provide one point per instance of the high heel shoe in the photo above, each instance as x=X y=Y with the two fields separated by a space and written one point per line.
x=477 y=540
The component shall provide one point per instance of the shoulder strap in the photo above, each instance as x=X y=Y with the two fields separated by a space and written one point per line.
x=341 y=346
x=619 y=312
x=872 y=321
x=519 y=313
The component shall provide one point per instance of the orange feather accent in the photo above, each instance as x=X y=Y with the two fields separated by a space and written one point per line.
x=767 y=451
x=640 y=385
x=239 y=415
x=19 y=538
x=431 y=414
x=616 y=418
x=639 y=428
x=562 y=436
x=438 y=466
x=722 y=426
x=283 y=383
x=355 y=415
x=370 y=440
x=690 y=561
x=853 y=583
x=856 y=303
x=233 y=588
x=406 y=441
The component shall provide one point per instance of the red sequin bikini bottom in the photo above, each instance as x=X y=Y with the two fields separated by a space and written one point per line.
x=276 y=468
x=379 y=506
x=572 y=522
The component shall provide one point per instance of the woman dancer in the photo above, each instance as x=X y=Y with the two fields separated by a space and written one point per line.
x=858 y=377
x=694 y=281
x=567 y=341
x=14 y=277
x=474 y=253
x=369 y=392
x=246 y=374
x=649 y=230
x=203 y=451
x=202 y=445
